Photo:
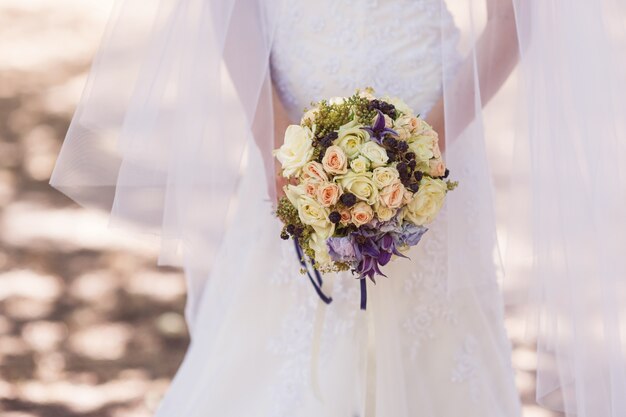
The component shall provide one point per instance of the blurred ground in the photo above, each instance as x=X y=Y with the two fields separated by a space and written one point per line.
x=88 y=326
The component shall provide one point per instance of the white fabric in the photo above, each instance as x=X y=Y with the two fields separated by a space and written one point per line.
x=574 y=117
x=181 y=88
x=431 y=353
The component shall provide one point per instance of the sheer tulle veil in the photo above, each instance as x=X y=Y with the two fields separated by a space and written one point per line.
x=180 y=89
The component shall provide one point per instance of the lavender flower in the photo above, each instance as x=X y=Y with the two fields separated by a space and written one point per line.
x=343 y=249
x=409 y=234
x=378 y=131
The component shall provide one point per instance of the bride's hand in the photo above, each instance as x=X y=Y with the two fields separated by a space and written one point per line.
x=280 y=184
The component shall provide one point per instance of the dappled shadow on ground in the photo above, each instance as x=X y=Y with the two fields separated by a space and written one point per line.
x=89 y=327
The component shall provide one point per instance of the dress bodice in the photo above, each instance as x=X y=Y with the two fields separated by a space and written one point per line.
x=327 y=48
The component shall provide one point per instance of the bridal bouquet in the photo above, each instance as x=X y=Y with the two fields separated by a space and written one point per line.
x=366 y=176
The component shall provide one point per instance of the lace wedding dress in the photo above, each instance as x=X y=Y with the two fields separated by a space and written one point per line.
x=265 y=345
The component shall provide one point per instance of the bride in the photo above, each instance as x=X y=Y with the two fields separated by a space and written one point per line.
x=174 y=134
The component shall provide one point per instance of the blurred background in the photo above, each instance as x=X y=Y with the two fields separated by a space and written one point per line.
x=89 y=327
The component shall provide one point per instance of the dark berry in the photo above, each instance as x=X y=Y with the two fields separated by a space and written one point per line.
x=334 y=217
x=348 y=199
x=402 y=146
x=298 y=231
x=445 y=175
x=418 y=175
x=414 y=187
x=412 y=164
x=284 y=235
x=402 y=167
x=409 y=156
x=391 y=155
x=290 y=229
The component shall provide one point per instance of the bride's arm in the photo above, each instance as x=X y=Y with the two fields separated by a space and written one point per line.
x=496 y=55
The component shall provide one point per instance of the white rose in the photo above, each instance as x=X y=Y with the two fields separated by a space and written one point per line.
x=375 y=153
x=315 y=215
x=350 y=138
x=294 y=193
x=423 y=146
x=318 y=244
x=427 y=201
x=384 y=176
x=296 y=151
x=361 y=185
x=360 y=164
x=383 y=212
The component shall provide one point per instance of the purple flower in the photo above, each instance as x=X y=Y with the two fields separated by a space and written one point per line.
x=343 y=249
x=409 y=234
x=378 y=131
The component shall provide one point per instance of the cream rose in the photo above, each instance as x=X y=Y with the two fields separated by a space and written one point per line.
x=437 y=167
x=360 y=164
x=296 y=150
x=427 y=201
x=383 y=176
x=375 y=153
x=392 y=195
x=328 y=194
x=350 y=138
x=384 y=213
x=361 y=185
x=315 y=215
x=318 y=244
x=362 y=213
x=315 y=171
x=335 y=161
x=423 y=145
x=295 y=193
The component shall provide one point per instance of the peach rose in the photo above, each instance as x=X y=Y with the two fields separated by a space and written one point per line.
x=335 y=160
x=346 y=216
x=362 y=213
x=328 y=194
x=310 y=188
x=315 y=171
x=437 y=167
x=393 y=194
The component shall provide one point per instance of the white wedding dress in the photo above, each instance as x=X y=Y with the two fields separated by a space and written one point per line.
x=264 y=345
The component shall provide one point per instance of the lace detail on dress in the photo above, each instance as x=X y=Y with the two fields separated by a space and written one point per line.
x=427 y=289
x=293 y=343
x=467 y=366
x=401 y=57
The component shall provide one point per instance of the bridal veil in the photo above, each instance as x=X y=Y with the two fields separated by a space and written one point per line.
x=180 y=87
